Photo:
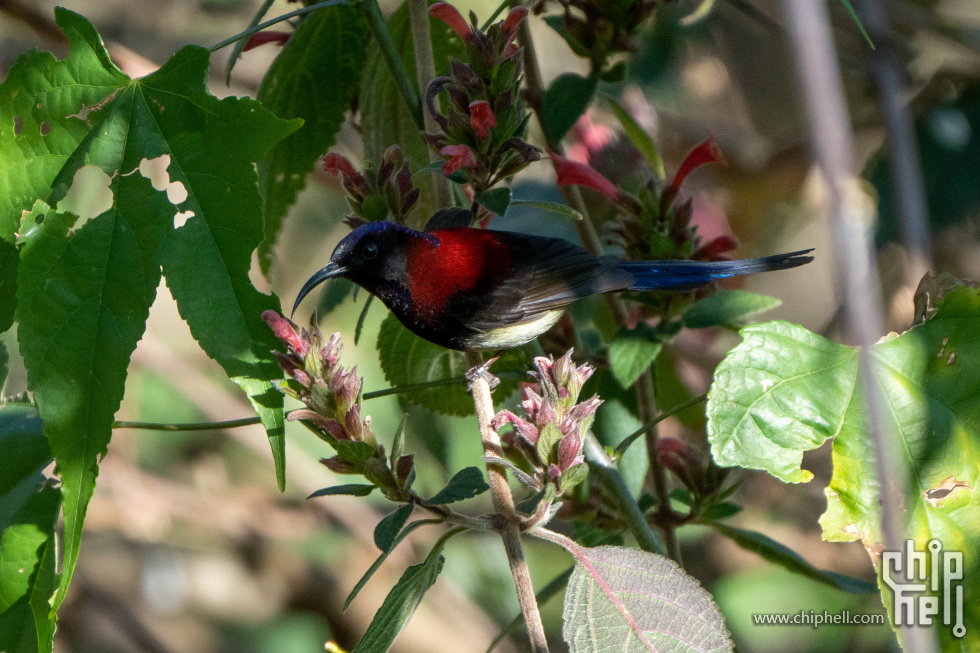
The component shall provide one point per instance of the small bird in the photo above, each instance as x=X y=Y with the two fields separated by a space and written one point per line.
x=477 y=289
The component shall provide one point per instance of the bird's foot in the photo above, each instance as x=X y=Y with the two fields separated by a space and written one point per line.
x=482 y=371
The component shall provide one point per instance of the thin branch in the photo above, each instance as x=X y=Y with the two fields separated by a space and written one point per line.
x=850 y=210
x=646 y=395
x=277 y=20
x=632 y=437
x=503 y=504
x=379 y=29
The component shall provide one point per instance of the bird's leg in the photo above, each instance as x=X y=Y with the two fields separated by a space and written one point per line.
x=482 y=371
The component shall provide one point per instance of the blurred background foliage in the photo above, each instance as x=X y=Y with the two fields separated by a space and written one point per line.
x=190 y=547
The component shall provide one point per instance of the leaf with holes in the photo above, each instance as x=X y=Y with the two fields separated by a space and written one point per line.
x=785 y=390
x=28 y=510
x=332 y=39
x=385 y=119
x=84 y=286
x=407 y=359
x=621 y=599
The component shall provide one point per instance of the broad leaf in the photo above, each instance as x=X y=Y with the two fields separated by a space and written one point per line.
x=632 y=352
x=621 y=599
x=351 y=489
x=785 y=390
x=495 y=199
x=388 y=528
x=84 y=289
x=407 y=359
x=564 y=103
x=385 y=119
x=466 y=484
x=313 y=78
x=384 y=556
x=785 y=557
x=638 y=136
x=28 y=510
x=400 y=604
x=8 y=285
x=726 y=307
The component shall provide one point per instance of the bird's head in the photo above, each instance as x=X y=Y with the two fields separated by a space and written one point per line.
x=372 y=256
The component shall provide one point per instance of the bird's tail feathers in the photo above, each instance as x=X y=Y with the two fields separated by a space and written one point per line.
x=687 y=275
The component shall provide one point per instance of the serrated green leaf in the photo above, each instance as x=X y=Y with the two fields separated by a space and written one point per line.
x=84 y=293
x=786 y=558
x=797 y=389
x=726 y=307
x=400 y=604
x=28 y=510
x=384 y=556
x=632 y=352
x=386 y=532
x=495 y=199
x=638 y=136
x=351 y=489
x=630 y=600
x=407 y=359
x=563 y=210
x=385 y=119
x=564 y=103
x=313 y=78
x=465 y=484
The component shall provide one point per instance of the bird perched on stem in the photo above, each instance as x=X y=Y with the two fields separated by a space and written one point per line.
x=476 y=289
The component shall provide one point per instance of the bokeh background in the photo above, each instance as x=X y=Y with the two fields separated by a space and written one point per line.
x=189 y=547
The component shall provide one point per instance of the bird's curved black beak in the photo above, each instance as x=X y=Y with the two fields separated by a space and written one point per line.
x=329 y=270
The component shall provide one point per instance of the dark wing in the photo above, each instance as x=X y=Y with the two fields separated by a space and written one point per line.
x=449 y=219
x=547 y=274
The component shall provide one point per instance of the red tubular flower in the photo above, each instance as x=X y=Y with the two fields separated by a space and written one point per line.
x=262 y=38
x=716 y=248
x=285 y=330
x=481 y=117
x=706 y=152
x=451 y=16
x=571 y=173
x=461 y=157
x=514 y=18
x=337 y=164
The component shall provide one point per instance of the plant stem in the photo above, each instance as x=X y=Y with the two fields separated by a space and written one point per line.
x=632 y=437
x=188 y=426
x=379 y=29
x=605 y=470
x=646 y=395
x=503 y=504
x=277 y=20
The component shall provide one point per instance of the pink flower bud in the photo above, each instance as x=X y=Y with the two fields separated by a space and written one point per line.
x=285 y=330
x=451 y=16
x=481 y=117
x=262 y=38
x=337 y=164
x=513 y=21
x=525 y=429
x=461 y=156
x=569 y=448
x=705 y=152
x=578 y=174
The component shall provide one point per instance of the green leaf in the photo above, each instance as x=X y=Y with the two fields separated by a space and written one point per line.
x=333 y=296
x=384 y=556
x=785 y=390
x=407 y=359
x=352 y=489
x=721 y=510
x=726 y=307
x=495 y=199
x=28 y=510
x=466 y=484
x=632 y=352
x=857 y=21
x=400 y=604
x=557 y=23
x=314 y=78
x=388 y=528
x=8 y=285
x=630 y=600
x=638 y=136
x=562 y=210
x=236 y=52
x=785 y=557
x=385 y=119
x=564 y=103
x=84 y=289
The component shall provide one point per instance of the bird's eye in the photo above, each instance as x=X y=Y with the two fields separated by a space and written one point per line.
x=369 y=251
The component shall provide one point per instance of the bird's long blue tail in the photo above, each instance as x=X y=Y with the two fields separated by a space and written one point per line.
x=687 y=275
